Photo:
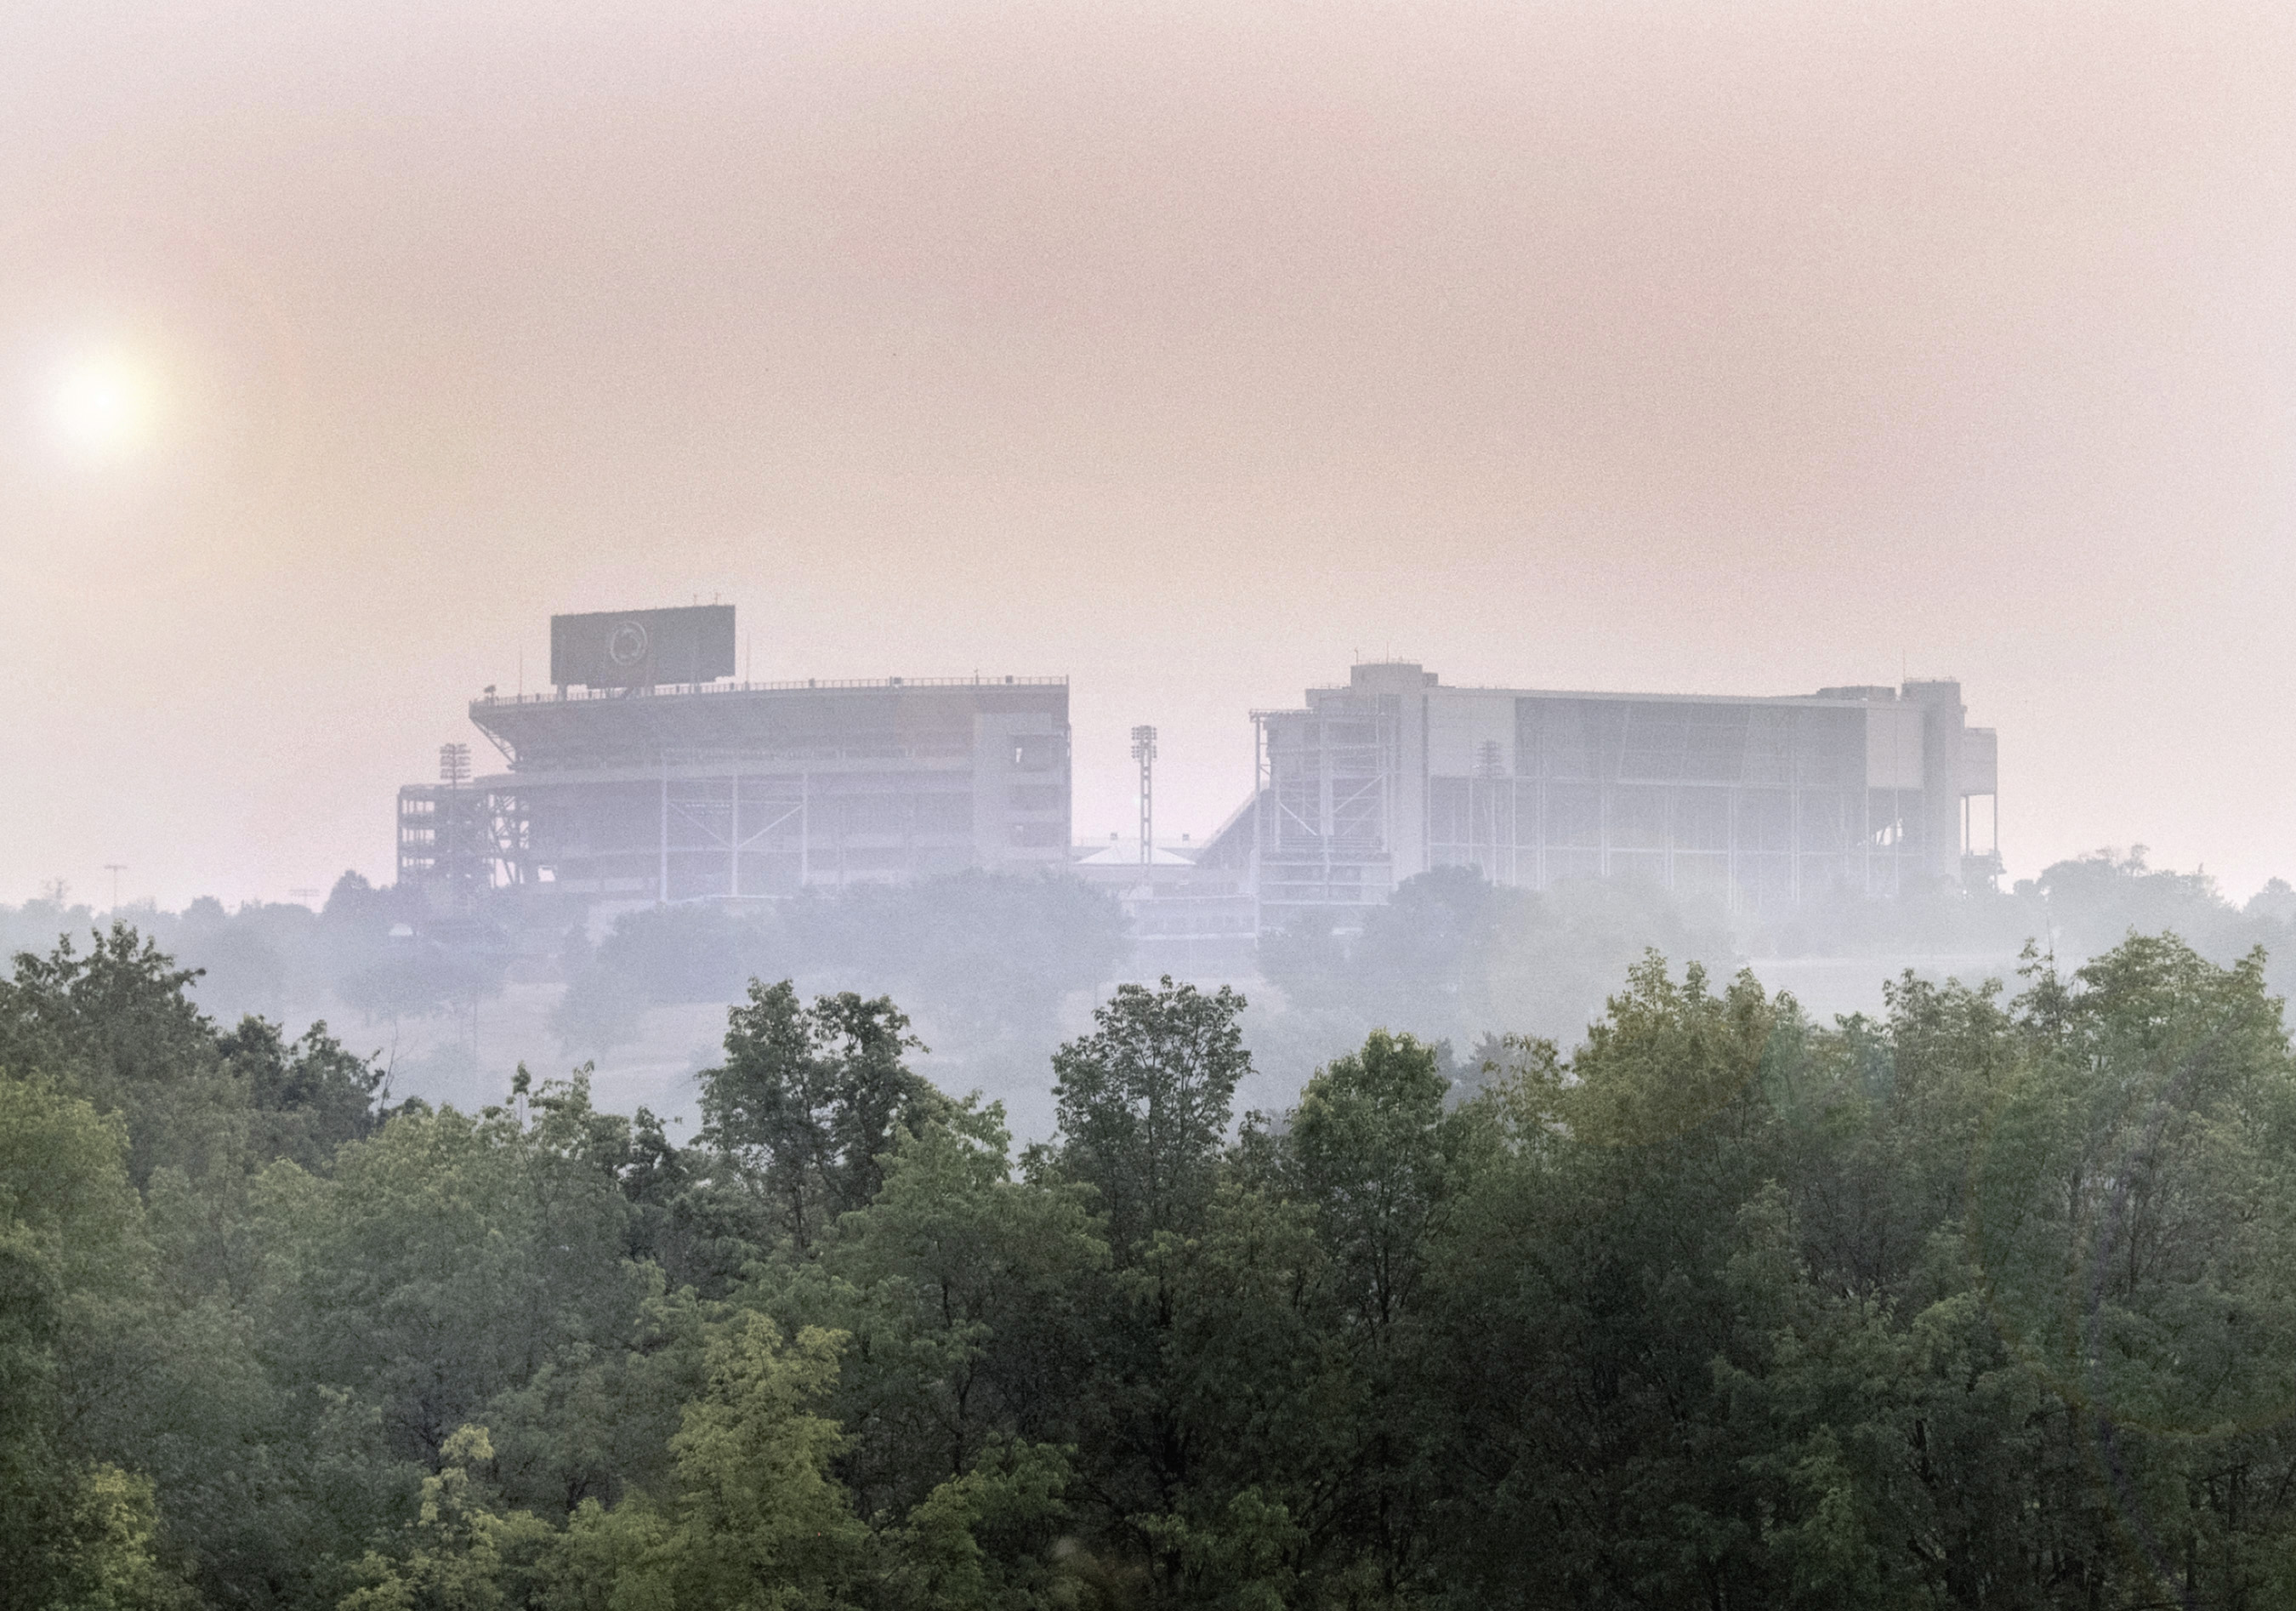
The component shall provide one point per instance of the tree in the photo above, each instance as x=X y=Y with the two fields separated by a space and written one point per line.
x=982 y=956
x=602 y=1008
x=463 y=1552
x=1985 y=1301
x=966 y=1294
x=761 y=1522
x=156 y=1376
x=1453 y=956
x=74 y=1530
x=451 y=1259
x=691 y=952
x=1144 y=1102
x=752 y=1519
x=1373 y=1151
x=1574 y=1309
x=809 y=1098
x=422 y=980
x=115 y=1026
x=356 y=906
x=313 y=1093
x=2131 y=1226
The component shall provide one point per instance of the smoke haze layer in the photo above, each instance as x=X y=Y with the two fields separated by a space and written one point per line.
x=1190 y=351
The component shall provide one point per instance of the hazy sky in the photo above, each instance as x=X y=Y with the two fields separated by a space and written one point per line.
x=1191 y=351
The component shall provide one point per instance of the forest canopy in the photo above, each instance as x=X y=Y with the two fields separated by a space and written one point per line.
x=1989 y=1300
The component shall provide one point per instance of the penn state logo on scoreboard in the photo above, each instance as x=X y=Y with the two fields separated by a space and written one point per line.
x=626 y=645
x=641 y=648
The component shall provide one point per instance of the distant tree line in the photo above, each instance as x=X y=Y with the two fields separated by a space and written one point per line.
x=986 y=958
x=1461 y=962
x=1987 y=1302
x=995 y=961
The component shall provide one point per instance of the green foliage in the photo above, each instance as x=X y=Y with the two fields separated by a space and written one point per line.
x=987 y=1539
x=462 y=1553
x=752 y=1519
x=1988 y=1301
x=107 y=1547
x=1375 y=1154
x=1145 y=1100
x=312 y=1093
x=117 y=1026
x=807 y=1100
x=760 y=1520
x=74 y=1531
x=1668 y=1057
x=452 y=1260
x=966 y=1294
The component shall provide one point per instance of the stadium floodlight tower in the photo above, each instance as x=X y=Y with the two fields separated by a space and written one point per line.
x=1144 y=751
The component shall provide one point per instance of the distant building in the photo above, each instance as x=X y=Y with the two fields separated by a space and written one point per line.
x=1188 y=918
x=624 y=785
x=1756 y=803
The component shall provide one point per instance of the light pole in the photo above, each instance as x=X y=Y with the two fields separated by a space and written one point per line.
x=115 y=868
x=1144 y=751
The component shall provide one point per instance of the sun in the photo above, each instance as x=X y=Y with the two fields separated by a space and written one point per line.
x=104 y=405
